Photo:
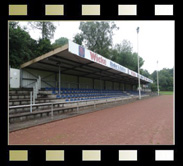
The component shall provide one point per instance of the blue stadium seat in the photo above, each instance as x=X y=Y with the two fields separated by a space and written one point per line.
x=58 y=96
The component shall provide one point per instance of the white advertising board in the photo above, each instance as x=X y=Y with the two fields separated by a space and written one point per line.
x=92 y=56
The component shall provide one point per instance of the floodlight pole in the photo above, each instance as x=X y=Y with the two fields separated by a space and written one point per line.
x=138 y=63
x=157 y=79
x=59 y=80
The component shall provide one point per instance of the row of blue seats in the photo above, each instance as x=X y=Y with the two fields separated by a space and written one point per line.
x=85 y=92
x=85 y=95
x=86 y=98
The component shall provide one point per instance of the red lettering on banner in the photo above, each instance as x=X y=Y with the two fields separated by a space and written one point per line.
x=133 y=74
x=95 y=58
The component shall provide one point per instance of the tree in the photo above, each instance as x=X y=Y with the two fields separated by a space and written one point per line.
x=60 y=42
x=21 y=46
x=96 y=36
x=47 y=28
x=43 y=46
x=122 y=54
x=145 y=73
x=13 y=24
x=165 y=79
x=78 y=38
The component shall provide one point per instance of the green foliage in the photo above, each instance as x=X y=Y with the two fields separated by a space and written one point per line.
x=43 y=46
x=97 y=36
x=145 y=73
x=21 y=45
x=165 y=79
x=60 y=42
x=122 y=54
x=78 y=38
x=154 y=87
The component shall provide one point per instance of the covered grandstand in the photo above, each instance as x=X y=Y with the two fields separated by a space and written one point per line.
x=74 y=67
x=69 y=74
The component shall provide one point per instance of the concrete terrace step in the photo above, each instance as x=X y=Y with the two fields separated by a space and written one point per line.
x=25 y=108
x=13 y=102
x=43 y=113
x=21 y=96
x=11 y=92
x=13 y=118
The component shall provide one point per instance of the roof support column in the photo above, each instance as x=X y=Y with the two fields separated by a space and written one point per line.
x=56 y=80
x=77 y=82
x=93 y=83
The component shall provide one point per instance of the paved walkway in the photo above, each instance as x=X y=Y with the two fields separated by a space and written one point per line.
x=144 y=122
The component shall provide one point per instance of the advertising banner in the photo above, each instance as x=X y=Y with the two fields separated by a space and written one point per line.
x=92 y=56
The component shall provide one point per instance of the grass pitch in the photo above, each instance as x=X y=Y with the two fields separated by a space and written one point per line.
x=166 y=92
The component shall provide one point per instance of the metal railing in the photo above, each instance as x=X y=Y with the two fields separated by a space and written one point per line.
x=93 y=102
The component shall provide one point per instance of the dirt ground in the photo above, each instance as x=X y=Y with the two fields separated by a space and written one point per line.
x=143 y=122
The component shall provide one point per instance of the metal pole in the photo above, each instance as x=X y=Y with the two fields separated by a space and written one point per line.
x=52 y=110
x=138 y=63
x=157 y=79
x=77 y=106
x=100 y=83
x=59 y=81
x=31 y=102
x=33 y=95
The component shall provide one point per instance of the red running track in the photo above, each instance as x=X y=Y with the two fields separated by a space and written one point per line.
x=144 y=122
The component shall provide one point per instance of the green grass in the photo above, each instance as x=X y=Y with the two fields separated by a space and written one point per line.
x=166 y=92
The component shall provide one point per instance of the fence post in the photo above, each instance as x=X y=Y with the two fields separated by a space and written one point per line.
x=33 y=95
x=31 y=101
x=77 y=106
x=52 y=110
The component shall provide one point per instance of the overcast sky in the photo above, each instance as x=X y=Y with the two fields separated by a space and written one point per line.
x=156 y=39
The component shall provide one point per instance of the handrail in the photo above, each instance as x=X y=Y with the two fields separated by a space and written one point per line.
x=35 y=105
x=51 y=104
